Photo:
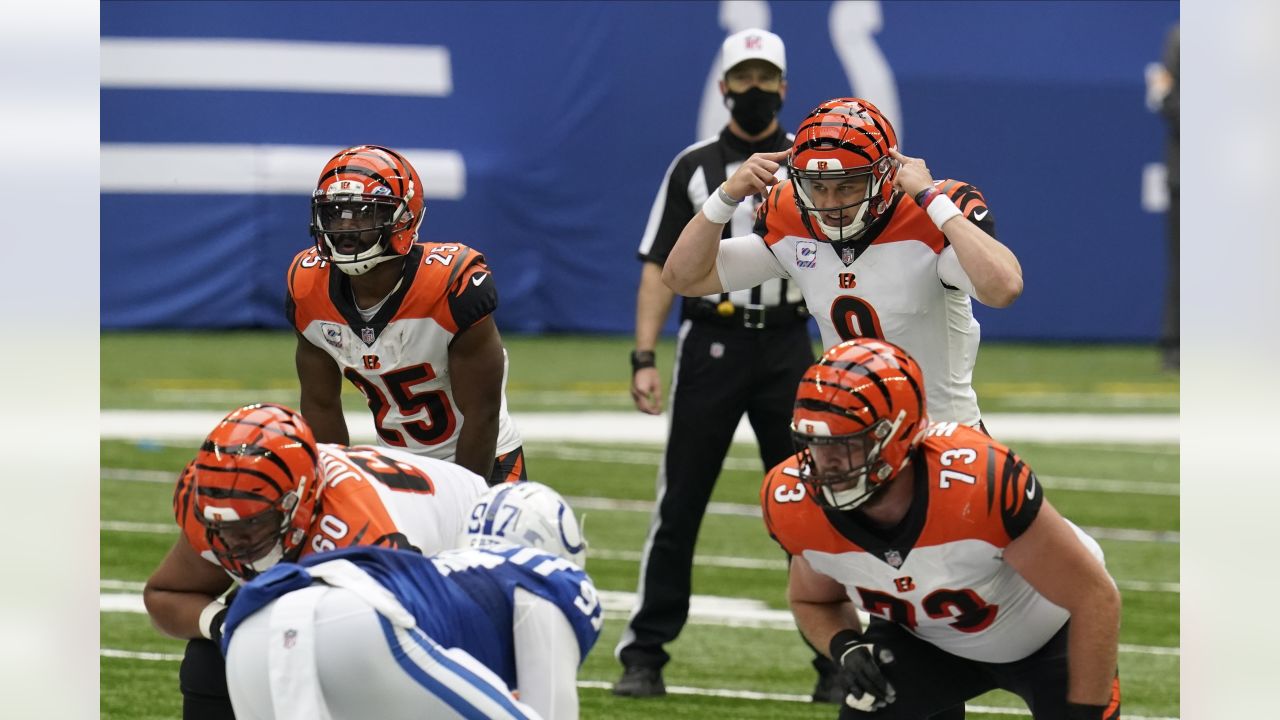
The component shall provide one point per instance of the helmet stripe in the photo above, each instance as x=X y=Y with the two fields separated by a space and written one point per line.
x=492 y=512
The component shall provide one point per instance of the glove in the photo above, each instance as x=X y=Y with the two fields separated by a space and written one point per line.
x=860 y=662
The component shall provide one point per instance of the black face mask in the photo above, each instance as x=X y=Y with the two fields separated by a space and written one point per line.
x=754 y=109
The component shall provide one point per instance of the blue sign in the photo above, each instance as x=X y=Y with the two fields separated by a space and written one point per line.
x=542 y=131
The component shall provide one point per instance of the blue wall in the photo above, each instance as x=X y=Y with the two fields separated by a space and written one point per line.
x=566 y=115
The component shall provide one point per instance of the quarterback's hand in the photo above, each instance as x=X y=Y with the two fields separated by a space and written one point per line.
x=913 y=175
x=646 y=390
x=860 y=662
x=756 y=175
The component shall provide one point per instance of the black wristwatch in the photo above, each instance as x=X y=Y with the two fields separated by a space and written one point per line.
x=641 y=359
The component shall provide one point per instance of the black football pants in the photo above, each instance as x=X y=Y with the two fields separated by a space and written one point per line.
x=720 y=373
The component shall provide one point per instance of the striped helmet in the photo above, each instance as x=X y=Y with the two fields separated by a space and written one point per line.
x=859 y=414
x=255 y=486
x=366 y=208
x=844 y=142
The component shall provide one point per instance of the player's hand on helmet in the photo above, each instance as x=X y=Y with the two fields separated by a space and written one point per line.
x=756 y=175
x=646 y=390
x=861 y=674
x=913 y=174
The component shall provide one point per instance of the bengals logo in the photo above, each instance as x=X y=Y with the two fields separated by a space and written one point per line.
x=822 y=165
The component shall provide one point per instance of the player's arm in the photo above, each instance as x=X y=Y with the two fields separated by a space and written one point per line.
x=547 y=657
x=691 y=267
x=992 y=268
x=820 y=605
x=181 y=588
x=1050 y=556
x=476 y=361
x=321 y=385
x=653 y=304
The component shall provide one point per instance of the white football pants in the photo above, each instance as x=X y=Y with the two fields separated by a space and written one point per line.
x=324 y=653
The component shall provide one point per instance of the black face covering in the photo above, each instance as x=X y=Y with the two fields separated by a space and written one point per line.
x=754 y=109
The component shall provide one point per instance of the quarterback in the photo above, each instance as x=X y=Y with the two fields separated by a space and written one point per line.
x=972 y=580
x=878 y=248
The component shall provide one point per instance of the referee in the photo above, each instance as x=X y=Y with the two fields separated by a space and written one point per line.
x=739 y=352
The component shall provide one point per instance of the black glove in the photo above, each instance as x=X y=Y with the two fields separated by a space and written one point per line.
x=859 y=662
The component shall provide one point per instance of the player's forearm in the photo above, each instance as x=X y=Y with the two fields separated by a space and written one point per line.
x=1092 y=640
x=478 y=441
x=176 y=613
x=690 y=269
x=993 y=268
x=326 y=420
x=819 y=622
x=653 y=304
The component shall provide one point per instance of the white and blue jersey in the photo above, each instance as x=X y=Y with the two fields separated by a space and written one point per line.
x=461 y=598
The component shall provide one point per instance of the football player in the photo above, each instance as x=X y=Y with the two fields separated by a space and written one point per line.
x=261 y=490
x=972 y=579
x=878 y=248
x=495 y=630
x=408 y=323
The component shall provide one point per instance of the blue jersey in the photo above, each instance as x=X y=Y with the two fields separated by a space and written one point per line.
x=460 y=598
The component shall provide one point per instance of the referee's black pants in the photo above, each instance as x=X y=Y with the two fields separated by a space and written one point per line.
x=720 y=373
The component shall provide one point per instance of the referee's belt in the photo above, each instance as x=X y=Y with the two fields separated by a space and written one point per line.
x=751 y=316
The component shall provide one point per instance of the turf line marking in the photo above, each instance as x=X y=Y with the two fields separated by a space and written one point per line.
x=671 y=689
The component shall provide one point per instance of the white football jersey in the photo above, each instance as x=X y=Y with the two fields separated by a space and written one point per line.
x=906 y=286
x=399 y=359
x=942 y=577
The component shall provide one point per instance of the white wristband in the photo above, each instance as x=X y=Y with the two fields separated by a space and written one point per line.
x=941 y=209
x=717 y=210
x=206 y=618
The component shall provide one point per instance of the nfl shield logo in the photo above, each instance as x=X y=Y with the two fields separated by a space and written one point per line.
x=366 y=335
x=290 y=638
x=893 y=558
x=846 y=255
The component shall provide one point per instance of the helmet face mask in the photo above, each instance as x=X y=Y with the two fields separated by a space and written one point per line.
x=843 y=472
x=843 y=146
x=859 y=415
x=366 y=208
x=529 y=514
x=256 y=486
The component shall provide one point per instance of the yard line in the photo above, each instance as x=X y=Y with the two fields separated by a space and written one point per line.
x=672 y=689
x=631 y=427
x=646 y=506
x=137 y=527
x=703 y=610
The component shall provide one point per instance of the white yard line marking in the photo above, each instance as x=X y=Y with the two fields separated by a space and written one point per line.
x=633 y=427
x=672 y=689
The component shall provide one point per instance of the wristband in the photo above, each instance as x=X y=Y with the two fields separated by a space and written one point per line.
x=925 y=196
x=208 y=616
x=941 y=209
x=842 y=640
x=719 y=208
x=641 y=359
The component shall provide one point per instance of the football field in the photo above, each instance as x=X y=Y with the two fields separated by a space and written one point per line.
x=740 y=656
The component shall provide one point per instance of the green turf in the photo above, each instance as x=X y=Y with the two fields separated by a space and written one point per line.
x=220 y=370
x=176 y=370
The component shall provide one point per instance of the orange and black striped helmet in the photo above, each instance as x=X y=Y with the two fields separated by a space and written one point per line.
x=366 y=208
x=255 y=486
x=859 y=414
x=844 y=142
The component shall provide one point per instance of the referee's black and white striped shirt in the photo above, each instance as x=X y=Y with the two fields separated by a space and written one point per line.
x=692 y=177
